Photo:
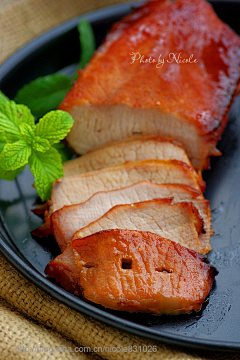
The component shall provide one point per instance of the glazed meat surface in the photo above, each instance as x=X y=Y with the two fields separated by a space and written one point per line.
x=134 y=271
x=67 y=220
x=64 y=269
x=140 y=271
x=118 y=96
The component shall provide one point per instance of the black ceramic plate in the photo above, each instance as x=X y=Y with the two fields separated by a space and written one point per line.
x=217 y=325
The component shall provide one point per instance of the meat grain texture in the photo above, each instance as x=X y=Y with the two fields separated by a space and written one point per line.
x=78 y=188
x=131 y=149
x=67 y=220
x=178 y=222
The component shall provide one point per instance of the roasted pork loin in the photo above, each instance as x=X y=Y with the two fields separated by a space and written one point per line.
x=67 y=220
x=134 y=271
x=64 y=269
x=75 y=189
x=179 y=222
x=133 y=149
x=122 y=92
x=147 y=147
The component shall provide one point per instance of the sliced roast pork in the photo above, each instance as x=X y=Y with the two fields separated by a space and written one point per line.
x=178 y=222
x=171 y=68
x=135 y=271
x=64 y=269
x=78 y=188
x=67 y=220
x=133 y=149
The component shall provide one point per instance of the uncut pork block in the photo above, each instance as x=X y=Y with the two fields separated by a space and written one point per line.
x=116 y=97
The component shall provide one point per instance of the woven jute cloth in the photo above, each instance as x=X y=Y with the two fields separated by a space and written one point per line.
x=34 y=325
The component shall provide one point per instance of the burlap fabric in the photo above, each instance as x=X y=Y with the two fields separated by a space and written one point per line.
x=33 y=325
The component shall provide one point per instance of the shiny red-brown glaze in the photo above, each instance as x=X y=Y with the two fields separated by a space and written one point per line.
x=141 y=272
x=199 y=92
x=164 y=276
x=65 y=271
x=43 y=230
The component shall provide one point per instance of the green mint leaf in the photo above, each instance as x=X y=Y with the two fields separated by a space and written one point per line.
x=54 y=126
x=10 y=175
x=41 y=145
x=44 y=94
x=28 y=133
x=15 y=155
x=46 y=167
x=2 y=143
x=11 y=117
x=3 y=98
x=32 y=140
x=64 y=151
x=87 y=42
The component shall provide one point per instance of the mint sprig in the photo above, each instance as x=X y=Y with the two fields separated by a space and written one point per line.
x=44 y=94
x=47 y=92
x=15 y=155
x=2 y=143
x=11 y=117
x=22 y=142
x=87 y=42
x=54 y=126
x=3 y=97
x=10 y=175
x=46 y=167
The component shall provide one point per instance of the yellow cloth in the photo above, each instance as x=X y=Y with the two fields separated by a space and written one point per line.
x=33 y=325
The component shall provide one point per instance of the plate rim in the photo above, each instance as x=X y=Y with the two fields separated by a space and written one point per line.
x=36 y=277
x=79 y=305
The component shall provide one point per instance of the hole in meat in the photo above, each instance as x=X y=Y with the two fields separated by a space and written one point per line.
x=126 y=263
x=164 y=270
x=88 y=265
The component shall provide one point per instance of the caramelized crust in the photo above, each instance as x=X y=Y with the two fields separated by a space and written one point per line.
x=64 y=269
x=141 y=272
x=186 y=101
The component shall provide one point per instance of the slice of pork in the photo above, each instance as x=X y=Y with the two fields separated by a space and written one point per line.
x=178 y=222
x=134 y=271
x=64 y=269
x=78 y=188
x=133 y=149
x=67 y=220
